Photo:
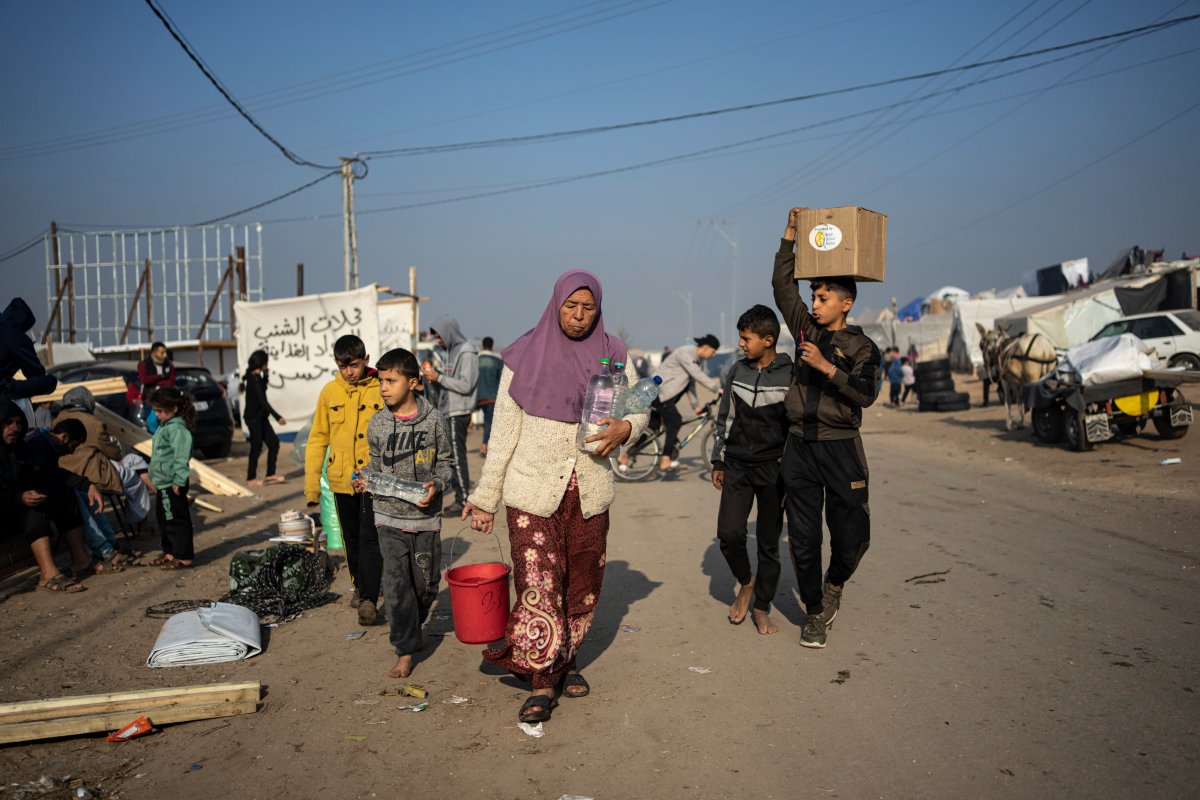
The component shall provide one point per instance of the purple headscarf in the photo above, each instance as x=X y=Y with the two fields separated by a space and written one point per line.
x=550 y=369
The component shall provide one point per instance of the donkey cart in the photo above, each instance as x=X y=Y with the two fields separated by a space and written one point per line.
x=1085 y=416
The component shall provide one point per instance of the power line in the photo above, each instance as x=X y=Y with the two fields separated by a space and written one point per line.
x=199 y=62
x=28 y=244
x=274 y=199
x=1125 y=35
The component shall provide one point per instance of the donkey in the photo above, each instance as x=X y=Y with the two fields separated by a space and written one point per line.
x=1015 y=361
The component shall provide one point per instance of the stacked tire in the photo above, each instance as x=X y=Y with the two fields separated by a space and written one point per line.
x=935 y=388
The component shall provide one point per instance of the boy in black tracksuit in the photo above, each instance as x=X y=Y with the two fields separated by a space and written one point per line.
x=750 y=434
x=824 y=462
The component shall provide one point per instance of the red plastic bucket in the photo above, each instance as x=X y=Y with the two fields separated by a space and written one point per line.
x=479 y=599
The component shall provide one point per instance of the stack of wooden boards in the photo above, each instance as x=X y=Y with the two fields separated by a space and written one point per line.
x=74 y=716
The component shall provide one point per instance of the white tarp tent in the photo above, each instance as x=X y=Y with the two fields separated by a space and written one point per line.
x=965 y=355
x=1067 y=320
x=298 y=334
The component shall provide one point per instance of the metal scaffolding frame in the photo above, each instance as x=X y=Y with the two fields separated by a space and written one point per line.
x=122 y=289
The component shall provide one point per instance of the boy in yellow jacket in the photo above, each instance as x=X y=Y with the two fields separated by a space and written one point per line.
x=344 y=409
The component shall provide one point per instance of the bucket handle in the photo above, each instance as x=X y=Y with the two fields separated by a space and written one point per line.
x=454 y=544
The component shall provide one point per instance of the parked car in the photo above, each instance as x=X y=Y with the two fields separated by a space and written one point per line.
x=213 y=433
x=1174 y=335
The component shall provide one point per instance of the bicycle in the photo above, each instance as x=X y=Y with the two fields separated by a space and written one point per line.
x=645 y=455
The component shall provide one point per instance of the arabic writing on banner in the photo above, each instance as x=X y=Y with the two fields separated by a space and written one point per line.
x=395 y=328
x=298 y=334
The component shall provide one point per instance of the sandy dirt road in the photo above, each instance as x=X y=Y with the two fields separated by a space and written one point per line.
x=1058 y=655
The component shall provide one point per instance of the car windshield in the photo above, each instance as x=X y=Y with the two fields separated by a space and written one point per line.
x=1114 y=329
x=191 y=379
x=1189 y=317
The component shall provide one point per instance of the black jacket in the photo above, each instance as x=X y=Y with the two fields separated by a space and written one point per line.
x=17 y=353
x=752 y=422
x=31 y=463
x=257 y=406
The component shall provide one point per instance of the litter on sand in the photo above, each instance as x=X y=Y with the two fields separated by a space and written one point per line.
x=366 y=702
x=533 y=731
x=138 y=727
x=413 y=690
x=456 y=700
x=416 y=709
x=628 y=629
x=699 y=670
x=1166 y=462
x=574 y=797
x=354 y=634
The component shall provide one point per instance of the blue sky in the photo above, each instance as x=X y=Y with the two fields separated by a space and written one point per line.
x=970 y=180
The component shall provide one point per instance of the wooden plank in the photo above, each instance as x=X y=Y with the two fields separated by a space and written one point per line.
x=141 y=441
x=207 y=506
x=142 y=701
x=100 y=387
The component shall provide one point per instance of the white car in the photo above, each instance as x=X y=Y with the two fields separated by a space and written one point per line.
x=1174 y=335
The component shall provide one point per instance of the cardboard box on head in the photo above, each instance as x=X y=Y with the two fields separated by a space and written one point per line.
x=842 y=241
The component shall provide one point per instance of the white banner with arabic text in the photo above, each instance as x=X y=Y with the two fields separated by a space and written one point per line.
x=298 y=334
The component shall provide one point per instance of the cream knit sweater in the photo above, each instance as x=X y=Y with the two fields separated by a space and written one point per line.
x=530 y=460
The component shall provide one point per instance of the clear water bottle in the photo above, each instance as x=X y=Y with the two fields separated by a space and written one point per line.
x=640 y=396
x=382 y=485
x=597 y=405
x=620 y=387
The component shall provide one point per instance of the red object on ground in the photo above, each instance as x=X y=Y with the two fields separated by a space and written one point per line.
x=138 y=727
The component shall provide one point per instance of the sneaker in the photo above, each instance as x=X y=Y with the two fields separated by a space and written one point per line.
x=367 y=615
x=831 y=600
x=453 y=511
x=354 y=599
x=813 y=634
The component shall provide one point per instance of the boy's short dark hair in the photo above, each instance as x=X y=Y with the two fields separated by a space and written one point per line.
x=399 y=360
x=760 y=320
x=347 y=348
x=846 y=287
x=487 y=343
x=75 y=430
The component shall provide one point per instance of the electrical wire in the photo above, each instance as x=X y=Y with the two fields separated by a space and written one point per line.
x=274 y=199
x=1126 y=35
x=25 y=246
x=208 y=73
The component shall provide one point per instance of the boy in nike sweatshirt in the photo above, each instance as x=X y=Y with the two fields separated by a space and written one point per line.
x=407 y=439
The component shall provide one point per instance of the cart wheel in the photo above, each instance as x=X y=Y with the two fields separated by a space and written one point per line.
x=1048 y=424
x=1129 y=428
x=1076 y=433
x=1166 y=430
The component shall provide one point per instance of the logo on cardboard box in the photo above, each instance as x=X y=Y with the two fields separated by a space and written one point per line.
x=825 y=237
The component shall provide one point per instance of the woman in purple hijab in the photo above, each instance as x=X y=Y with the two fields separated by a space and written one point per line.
x=556 y=498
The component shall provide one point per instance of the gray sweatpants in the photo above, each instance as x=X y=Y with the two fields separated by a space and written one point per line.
x=412 y=571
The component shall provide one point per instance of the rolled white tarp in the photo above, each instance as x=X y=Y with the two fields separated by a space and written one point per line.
x=221 y=632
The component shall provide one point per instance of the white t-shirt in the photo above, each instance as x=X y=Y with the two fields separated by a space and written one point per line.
x=909 y=379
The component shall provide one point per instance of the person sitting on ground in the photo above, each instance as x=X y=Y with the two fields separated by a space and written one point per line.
x=35 y=492
x=680 y=372
x=823 y=461
x=257 y=416
x=408 y=439
x=18 y=355
x=340 y=424
x=750 y=433
x=490 y=367
x=171 y=476
x=456 y=398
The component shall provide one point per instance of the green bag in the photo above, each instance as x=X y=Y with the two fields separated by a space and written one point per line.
x=329 y=517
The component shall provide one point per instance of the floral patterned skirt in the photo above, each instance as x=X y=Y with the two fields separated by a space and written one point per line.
x=558 y=566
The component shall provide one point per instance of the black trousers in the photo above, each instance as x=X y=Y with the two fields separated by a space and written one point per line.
x=672 y=421
x=175 y=523
x=744 y=485
x=460 y=479
x=894 y=393
x=261 y=432
x=832 y=474
x=907 y=390
x=412 y=571
x=361 y=539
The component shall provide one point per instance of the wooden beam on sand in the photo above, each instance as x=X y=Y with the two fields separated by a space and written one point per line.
x=141 y=441
x=98 y=388
x=73 y=716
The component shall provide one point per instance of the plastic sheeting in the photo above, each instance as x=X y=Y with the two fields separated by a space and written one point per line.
x=1109 y=360
x=213 y=635
x=964 y=351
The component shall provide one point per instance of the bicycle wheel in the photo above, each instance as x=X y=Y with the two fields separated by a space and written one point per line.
x=706 y=444
x=643 y=461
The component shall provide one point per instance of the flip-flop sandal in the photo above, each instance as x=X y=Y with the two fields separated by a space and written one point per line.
x=573 y=680
x=155 y=562
x=733 y=621
x=103 y=567
x=275 y=479
x=536 y=708
x=61 y=583
x=174 y=564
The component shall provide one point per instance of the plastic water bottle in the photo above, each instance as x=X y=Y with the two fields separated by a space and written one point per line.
x=639 y=396
x=620 y=388
x=383 y=485
x=597 y=405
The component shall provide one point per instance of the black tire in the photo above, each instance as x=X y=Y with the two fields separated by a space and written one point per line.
x=934 y=398
x=1185 y=360
x=218 y=450
x=944 y=407
x=931 y=386
x=936 y=365
x=1168 y=431
x=706 y=445
x=1076 y=433
x=1049 y=424
x=933 y=374
x=643 y=461
x=1129 y=428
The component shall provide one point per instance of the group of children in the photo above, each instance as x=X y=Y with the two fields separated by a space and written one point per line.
x=900 y=374
x=788 y=439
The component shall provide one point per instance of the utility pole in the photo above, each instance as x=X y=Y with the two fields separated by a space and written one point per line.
x=416 y=302
x=349 y=234
x=686 y=297
x=719 y=226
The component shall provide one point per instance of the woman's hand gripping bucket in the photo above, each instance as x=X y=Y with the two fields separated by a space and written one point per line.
x=479 y=598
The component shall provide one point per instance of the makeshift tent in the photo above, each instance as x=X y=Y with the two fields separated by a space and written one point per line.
x=952 y=293
x=965 y=355
x=1056 y=278
x=929 y=335
x=912 y=311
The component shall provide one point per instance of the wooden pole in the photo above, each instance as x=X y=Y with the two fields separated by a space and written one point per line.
x=299 y=280
x=149 y=301
x=412 y=291
x=57 y=272
x=71 y=302
x=137 y=293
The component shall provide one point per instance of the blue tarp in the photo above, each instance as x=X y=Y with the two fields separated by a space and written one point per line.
x=912 y=311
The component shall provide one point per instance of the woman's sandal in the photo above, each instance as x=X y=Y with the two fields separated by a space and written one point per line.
x=536 y=708
x=174 y=563
x=157 y=562
x=61 y=583
x=105 y=567
x=575 y=686
x=274 y=479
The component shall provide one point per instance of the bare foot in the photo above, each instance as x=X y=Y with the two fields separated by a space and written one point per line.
x=254 y=482
x=403 y=668
x=762 y=621
x=741 y=606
